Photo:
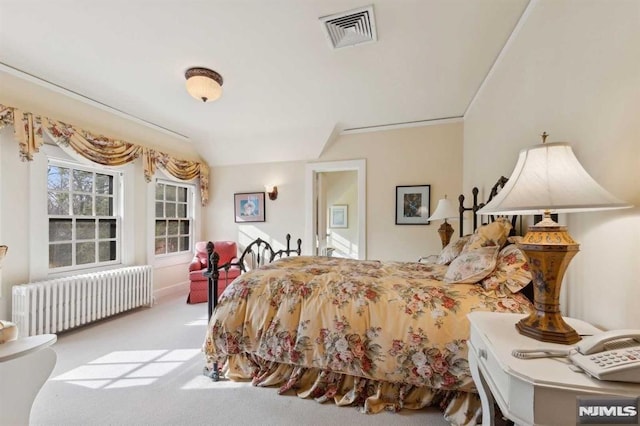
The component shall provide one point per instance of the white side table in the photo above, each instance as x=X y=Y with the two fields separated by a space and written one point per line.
x=25 y=364
x=538 y=391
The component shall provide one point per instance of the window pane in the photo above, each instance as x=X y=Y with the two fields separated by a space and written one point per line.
x=170 y=210
x=159 y=209
x=170 y=193
x=85 y=253
x=60 y=230
x=172 y=244
x=182 y=210
x=173 y=227
x=182 y=194
x=82 y=181
x=107 y=251
x=85 y=229
x=184 y=227
x=184 y=244
x=159 y=191
x=107 y=228
x=104 y=184
x=58 y=178
x=161 y=228
x=59 y=255
x=104 y=206
x=82 y=205
x=161 y=246
x=58 y=203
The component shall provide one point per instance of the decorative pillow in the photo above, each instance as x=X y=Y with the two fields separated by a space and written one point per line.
x=515 y=239
x=512 y=271
x=472 y=266
x=491 y=234
x=452 y=250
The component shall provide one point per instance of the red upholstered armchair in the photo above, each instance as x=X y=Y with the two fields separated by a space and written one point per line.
x=198 y=289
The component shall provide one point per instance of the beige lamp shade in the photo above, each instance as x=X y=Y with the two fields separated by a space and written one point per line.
x=445 y=210
x=204 y=84
x=549 y=177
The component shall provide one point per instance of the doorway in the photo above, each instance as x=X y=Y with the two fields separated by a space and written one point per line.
x=315 y=207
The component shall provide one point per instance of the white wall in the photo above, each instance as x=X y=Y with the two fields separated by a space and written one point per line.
x=411 y=156
x=573 y=70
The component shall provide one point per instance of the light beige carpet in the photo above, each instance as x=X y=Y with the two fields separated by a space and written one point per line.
x=145 y=368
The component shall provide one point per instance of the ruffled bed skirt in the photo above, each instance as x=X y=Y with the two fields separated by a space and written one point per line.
x=372 y=396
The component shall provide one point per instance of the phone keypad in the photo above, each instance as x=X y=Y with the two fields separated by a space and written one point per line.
x=613 y=358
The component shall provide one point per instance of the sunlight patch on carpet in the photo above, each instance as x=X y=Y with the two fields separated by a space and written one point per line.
x=123 y=369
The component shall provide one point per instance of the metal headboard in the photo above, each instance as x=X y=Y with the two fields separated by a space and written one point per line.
x=477 y=206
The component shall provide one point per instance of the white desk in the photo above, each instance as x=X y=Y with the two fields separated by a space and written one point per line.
x=25 y=364
x=539 y=391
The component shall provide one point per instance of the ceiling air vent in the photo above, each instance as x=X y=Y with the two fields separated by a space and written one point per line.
x=350 y=28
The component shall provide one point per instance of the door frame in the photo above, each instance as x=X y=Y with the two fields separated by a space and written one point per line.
x=311 y=169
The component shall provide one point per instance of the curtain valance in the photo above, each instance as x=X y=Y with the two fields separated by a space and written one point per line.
x=29 y=128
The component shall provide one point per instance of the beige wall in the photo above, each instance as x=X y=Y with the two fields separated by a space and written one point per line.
x=573 y=70
x=419 y=155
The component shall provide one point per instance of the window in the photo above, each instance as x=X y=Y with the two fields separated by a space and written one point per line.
x=84 y=228
x=174 y=218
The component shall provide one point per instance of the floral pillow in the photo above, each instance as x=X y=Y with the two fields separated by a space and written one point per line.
x=472 y=266
x=452 y=250
x=491 y=234
x=512 y=271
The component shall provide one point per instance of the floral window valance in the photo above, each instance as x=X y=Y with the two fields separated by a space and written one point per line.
x=29 y=128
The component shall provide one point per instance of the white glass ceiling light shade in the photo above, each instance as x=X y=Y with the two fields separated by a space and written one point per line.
x=204 y=84
x=445 y=210
x=549 y=178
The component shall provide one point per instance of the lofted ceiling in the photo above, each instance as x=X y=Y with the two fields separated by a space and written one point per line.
x=287 y=93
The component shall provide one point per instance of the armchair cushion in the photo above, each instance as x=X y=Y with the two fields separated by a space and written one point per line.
x=199 y=260
x=198 y=290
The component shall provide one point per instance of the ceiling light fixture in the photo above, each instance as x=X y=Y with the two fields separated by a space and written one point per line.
x=203 y=84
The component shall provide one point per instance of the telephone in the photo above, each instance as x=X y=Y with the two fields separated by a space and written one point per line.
x=612 y=355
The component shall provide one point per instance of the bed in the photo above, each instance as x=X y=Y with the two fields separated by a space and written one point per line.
x=380 y=335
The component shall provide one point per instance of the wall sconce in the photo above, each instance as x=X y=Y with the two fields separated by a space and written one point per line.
x=272 y=191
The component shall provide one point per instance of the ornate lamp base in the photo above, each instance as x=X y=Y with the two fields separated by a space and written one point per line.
x=549 y=248
x=445 y=231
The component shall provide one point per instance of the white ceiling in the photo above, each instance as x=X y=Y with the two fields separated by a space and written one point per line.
x=286 y=93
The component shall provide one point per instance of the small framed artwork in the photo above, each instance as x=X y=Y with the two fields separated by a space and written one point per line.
x=338 y=216
x=249 y=206
x=412 y=204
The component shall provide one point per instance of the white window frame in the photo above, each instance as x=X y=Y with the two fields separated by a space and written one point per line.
x=116 y=214
x=189 y=214
x=193 y=212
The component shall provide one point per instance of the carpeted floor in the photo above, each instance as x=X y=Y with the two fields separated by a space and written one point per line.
x=145 y=368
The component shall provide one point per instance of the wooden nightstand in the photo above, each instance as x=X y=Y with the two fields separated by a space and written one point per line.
x=538 y=391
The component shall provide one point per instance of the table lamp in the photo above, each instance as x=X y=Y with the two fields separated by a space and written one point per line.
x=445 y=210
x=548 y=178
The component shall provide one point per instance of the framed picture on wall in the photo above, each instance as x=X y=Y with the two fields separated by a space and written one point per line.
x=339 y=216
x=249 y=207
x=413 y=204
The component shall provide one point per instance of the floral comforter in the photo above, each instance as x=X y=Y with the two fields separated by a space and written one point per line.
x=394 y=322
